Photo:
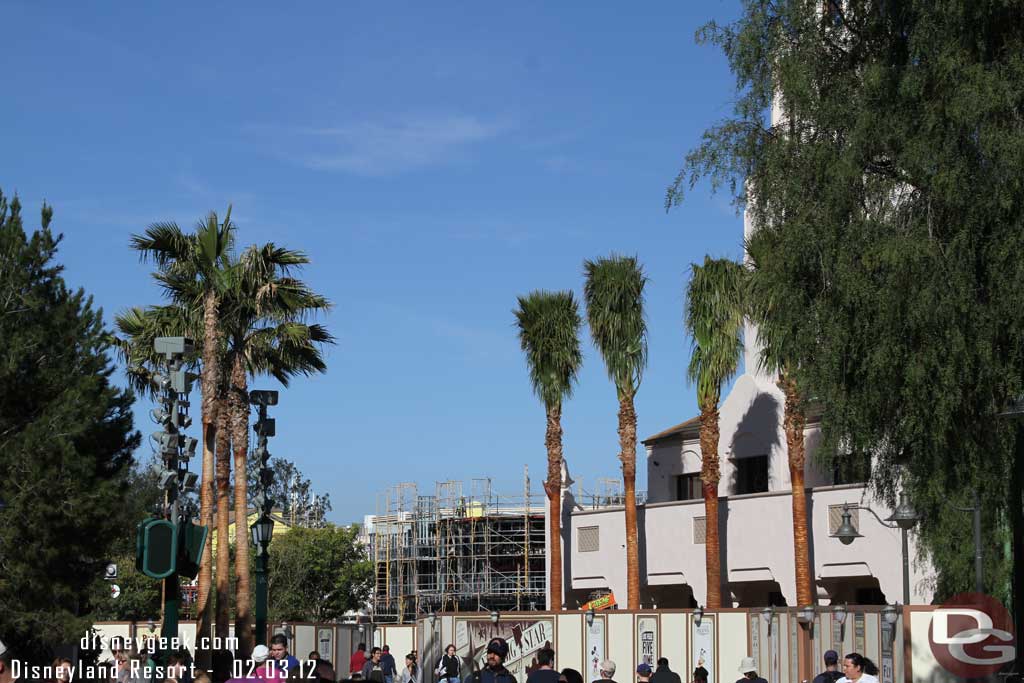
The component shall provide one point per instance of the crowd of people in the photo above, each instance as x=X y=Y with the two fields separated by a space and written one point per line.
x=275 y=664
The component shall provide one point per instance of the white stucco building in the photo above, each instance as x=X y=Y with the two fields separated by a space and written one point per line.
x=755 y=518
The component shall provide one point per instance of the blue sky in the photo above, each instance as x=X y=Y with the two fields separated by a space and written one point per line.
x=434 y=159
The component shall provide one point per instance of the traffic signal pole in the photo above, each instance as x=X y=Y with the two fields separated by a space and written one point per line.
x=165 y=559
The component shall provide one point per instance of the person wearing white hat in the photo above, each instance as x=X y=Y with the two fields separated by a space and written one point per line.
x=748 y=667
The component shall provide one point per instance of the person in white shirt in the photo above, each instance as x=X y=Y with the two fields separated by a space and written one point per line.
x=858 y=669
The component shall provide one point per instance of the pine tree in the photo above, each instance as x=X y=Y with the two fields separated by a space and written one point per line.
x=66 y=439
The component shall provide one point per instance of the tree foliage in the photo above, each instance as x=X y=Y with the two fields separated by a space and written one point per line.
x=317 y=574
x=66 y=437
x=292 y=492
x=887 y=201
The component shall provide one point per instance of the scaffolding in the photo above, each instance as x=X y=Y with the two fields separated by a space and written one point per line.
x=456 y=552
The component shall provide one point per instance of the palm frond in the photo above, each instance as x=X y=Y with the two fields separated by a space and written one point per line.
x=549 y=334
x=163 y=243
x=614 y=294
x=715 y=308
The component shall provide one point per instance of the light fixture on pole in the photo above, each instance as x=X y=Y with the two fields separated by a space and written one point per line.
x=698 y=614
x=767 y=613
x=839 y=613
x=891 y=614
x=262 y=530
x=846 y=532
x=904 y=517
x=432 y=617
x=495 y=616
x=805 y=614
x=590 y=616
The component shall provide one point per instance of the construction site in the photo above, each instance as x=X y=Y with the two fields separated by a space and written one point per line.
x=456 y=550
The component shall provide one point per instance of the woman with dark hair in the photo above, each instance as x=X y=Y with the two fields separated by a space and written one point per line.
x=570 y=676
x=858 y=669
x=449 y=668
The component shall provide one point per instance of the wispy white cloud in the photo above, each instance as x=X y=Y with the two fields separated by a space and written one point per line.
x=378 y=149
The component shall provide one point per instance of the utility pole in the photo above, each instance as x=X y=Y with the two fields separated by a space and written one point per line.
x=263 y=528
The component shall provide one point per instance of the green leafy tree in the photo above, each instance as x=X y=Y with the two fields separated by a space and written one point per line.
x=317 y=574
x=614 y=293
x=292 y=492
x=887 y=204
x=549 y=333
x=714 y=319
x=66 y=437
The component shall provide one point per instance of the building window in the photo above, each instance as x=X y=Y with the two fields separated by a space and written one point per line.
x=752 y=474
x=835 y=518
x=688 y=486
x=589 y=539
x=700 y=530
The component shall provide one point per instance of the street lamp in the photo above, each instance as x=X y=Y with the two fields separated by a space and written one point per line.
x=891 y=614
x=590 y=617
x=839 y=614
x=903 y=518
x=767 y=613
x=698 y=614
x=262 y=530
x=495 y=616
x=432 y=617
x=805 y=615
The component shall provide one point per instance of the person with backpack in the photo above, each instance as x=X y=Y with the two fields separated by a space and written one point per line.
x=372 y=670
x=831 y=674
x=449 y=668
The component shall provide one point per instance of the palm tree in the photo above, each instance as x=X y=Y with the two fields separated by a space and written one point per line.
x=714 y=319
x=549 y=333
x=200 y=260
x=265 y=334
x=614 y=293
x=775 y=342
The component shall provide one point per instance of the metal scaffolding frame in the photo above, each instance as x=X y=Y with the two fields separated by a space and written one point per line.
x=452 y=551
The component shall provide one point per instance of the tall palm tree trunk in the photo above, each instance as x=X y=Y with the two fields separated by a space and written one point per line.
x=223 y=521
x=794 y=421
x=210 y=380
x=239 y=406
x=553 y=487
x=710 y=475
x=627 y=441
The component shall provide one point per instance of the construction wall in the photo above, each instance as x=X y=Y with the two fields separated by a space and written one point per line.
x=784 y=649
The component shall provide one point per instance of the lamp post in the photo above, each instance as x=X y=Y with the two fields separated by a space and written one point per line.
x=590 y=617
x=903 y=518
x=263 y=528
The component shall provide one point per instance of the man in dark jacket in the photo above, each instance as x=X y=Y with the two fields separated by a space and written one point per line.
x=495 y=671
x=387 y=663
x=664 y=674
x=831 y=672
x=545 y=671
